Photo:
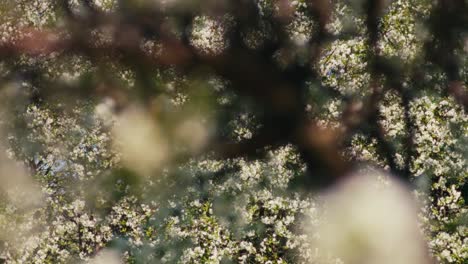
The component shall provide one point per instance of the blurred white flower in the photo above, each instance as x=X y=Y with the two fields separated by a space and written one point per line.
x=140 y=141
x=106 y=257
x=17 y=183
x=105 y=110
x=367 y=221
x=193 y=133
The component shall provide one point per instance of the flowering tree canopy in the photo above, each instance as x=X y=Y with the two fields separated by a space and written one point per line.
x=233 y=131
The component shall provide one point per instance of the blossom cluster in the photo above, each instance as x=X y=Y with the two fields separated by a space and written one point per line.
x=97 y=184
